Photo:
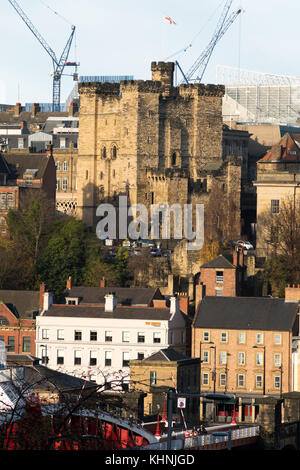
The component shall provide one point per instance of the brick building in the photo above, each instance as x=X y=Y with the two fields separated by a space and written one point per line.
x=278 y=180
x=18 y=311
x=26 y=132
x=246 y=344
x=23 y=176
x=222 y=276
x=154 y=375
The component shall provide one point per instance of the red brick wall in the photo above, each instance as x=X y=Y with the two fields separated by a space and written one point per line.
x=17 y=328
x=208 y=278
x=250 y=369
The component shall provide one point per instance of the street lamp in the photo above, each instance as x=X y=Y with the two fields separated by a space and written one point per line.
x=264 y=348
x=214 y=371
x=200 y=353
x=280 y=367
x=201 y=360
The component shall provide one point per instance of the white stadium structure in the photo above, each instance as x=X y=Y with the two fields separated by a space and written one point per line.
x=259 y=97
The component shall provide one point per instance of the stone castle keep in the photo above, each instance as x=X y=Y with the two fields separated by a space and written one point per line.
x=153 y=142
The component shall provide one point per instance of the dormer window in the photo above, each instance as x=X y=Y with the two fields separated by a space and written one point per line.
x=28 y=180
x=72 y=300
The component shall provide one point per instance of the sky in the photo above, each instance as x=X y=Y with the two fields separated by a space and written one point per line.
x=123 y=37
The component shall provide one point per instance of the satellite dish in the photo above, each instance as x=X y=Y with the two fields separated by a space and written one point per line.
x=2 y=355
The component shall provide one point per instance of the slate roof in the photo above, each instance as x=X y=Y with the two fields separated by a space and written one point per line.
x=166 y=355
x=129 y=313
x=246 y=313
x=219 y=262
x=24 y=304
x=18 y=164
x=287 y=150
x=42 y=378
x=125 y=295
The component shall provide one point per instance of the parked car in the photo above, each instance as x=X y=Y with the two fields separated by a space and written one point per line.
x=147 y=244
x=245 y=244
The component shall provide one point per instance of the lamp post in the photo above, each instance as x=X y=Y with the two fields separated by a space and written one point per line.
x=200 y=353
x=264 y=348
x=280 y=367
x=214 y=371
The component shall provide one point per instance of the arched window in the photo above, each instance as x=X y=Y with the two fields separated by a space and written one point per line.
x=114 y=152
x=173 y=159
x=104 y=152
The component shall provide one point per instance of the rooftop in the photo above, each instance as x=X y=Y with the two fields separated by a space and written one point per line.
x=120 y=312
x=125 y=295
x=24 y=304
x=219 y=262
x=246 y=313
x=287 y=150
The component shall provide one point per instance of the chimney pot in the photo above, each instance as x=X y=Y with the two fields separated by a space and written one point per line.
x=110 y=302
x=69 y=283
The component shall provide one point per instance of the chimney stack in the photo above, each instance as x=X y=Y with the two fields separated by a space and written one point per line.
x=199 y=294
x=110 y=302
x=18 y=109
x=48 y=300
x=42 y=292
x=69 y=283
x=73 y=108
x=184 y=304
x=49 y=149
x=235 y=257
x=241 y=257
x=173 y=304
x=35 y=108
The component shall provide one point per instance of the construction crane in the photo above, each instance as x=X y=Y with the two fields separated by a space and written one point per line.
x=58 y=65
x=201 y=63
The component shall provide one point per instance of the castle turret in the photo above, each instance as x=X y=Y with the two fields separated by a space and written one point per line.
x=163 y=72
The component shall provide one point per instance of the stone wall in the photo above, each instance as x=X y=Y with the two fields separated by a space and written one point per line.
x=149 y=140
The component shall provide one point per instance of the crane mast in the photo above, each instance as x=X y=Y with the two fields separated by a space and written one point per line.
x=58 y=65
x=201 y=63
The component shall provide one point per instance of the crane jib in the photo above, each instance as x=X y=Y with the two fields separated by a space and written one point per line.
x=58 y=65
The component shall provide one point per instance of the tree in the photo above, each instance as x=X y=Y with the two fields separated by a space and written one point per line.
x=280 y=234
x=221 y=216
x=28 y=226
x=63 y=256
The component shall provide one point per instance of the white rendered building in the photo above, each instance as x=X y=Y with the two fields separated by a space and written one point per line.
x=98 y=341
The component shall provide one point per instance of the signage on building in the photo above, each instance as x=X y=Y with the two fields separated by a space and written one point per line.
x=181 y=402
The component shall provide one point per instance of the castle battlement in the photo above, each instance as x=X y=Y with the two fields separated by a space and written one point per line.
x=199 y=89
x=166 y=173
x=142 y=86
x=98 y=88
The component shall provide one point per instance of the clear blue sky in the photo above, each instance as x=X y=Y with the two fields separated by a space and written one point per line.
x=122 y=37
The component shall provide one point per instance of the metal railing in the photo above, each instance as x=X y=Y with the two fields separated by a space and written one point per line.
x=200 y=441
